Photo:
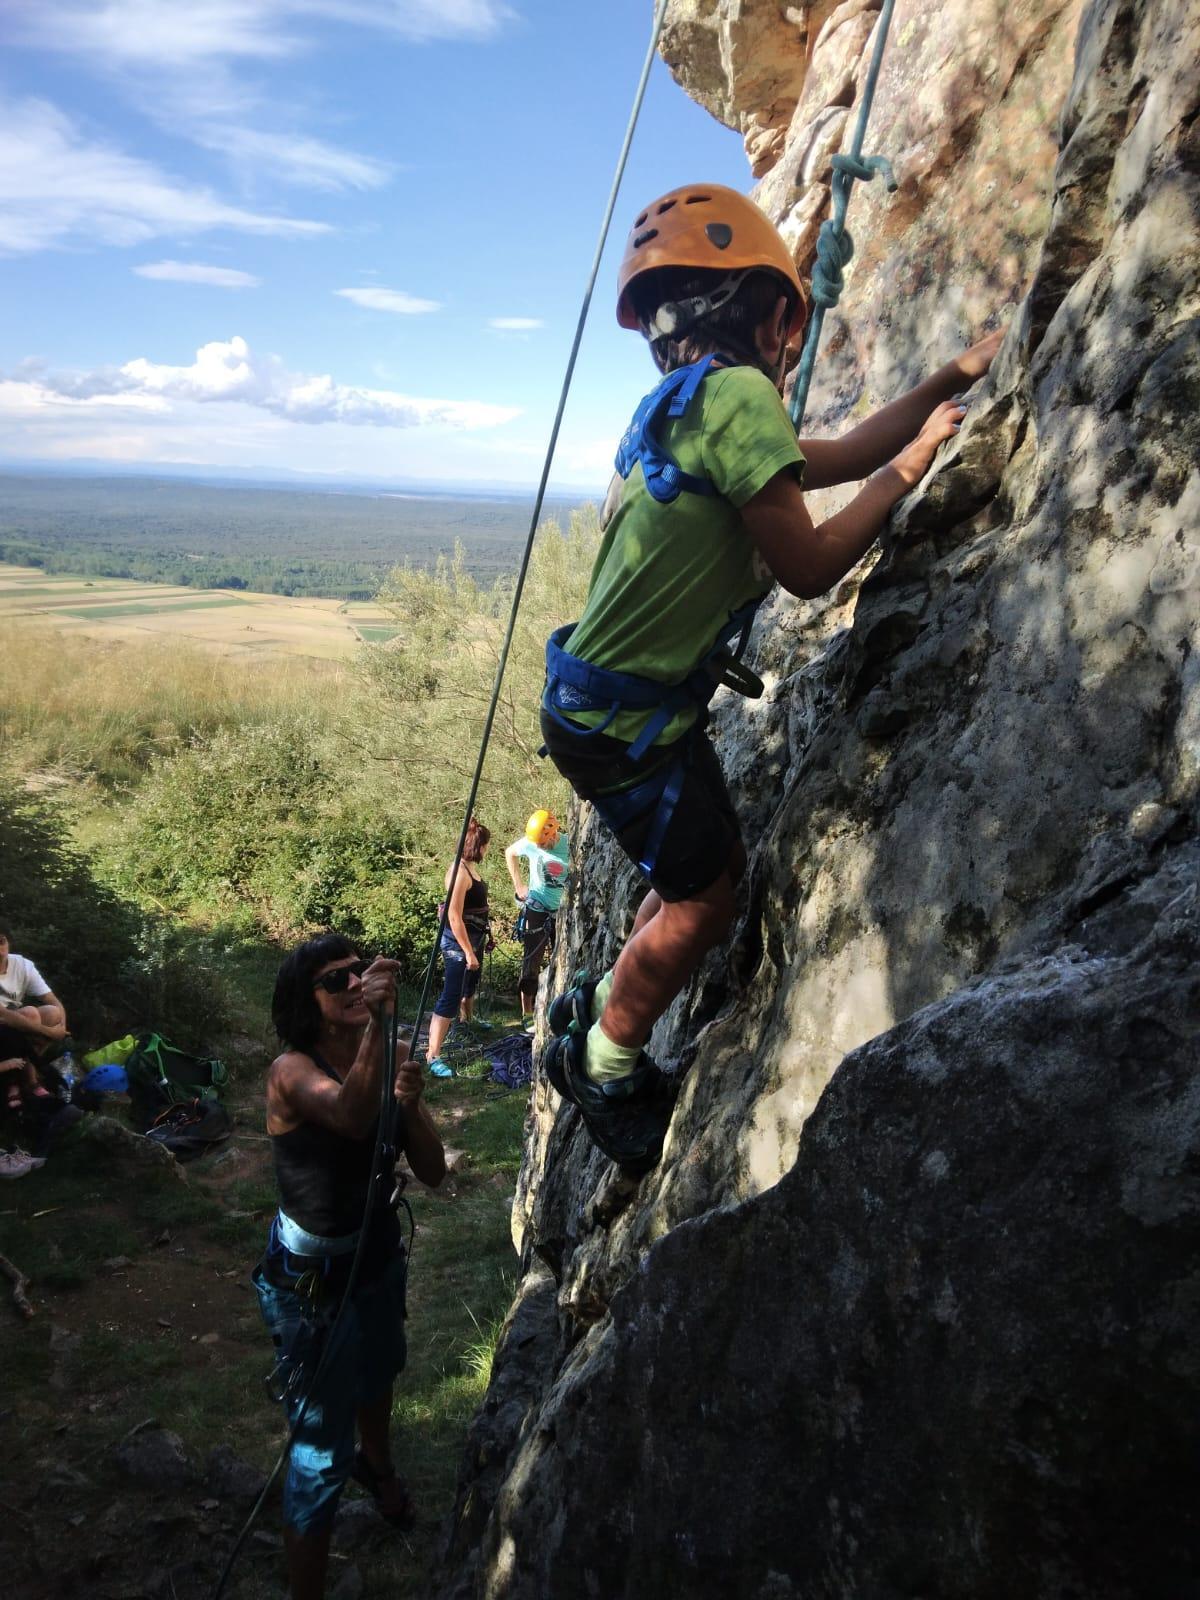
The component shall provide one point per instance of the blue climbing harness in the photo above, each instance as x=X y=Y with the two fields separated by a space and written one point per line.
x=573 y=685
x=665 y=478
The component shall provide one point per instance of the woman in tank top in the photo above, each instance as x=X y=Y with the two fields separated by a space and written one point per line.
x=323 y=1099
x=463 y=943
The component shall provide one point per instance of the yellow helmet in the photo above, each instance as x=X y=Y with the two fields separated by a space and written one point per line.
x=542 y=828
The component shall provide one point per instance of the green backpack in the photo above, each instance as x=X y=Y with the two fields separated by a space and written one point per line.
x=161 y=1075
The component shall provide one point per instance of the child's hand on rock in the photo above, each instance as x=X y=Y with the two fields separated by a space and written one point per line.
x=913 y=461
x=975 y=361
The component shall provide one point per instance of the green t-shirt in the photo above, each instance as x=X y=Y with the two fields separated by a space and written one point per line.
x=668 y=577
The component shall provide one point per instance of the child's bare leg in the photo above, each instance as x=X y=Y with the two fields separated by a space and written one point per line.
x=650 y=907
x=663 y=953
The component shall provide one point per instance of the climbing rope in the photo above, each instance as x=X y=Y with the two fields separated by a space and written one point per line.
x=834 y=244
x=388 y=1109
x=502 y=663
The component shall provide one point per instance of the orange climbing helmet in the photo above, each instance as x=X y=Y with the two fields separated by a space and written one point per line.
x=542 y=828
x=706 y=225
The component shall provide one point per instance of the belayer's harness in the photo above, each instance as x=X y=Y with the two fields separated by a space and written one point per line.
x=574 y=685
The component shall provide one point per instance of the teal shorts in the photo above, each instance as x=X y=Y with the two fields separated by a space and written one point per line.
x=367 y=1353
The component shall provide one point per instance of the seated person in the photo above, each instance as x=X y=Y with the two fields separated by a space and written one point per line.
x=32 y=1018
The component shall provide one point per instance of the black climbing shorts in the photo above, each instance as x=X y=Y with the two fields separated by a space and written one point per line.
x=703 y=831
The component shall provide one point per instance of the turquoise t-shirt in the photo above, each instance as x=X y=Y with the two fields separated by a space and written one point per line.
x=669 y=577
x=547 y=872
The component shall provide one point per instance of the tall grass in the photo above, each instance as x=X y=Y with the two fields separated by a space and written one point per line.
x=78 y=708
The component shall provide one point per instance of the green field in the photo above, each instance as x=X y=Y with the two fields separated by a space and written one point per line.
x=151 y=608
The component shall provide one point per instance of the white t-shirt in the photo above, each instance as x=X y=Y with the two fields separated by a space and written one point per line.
x=547 y=872
x=21 y=983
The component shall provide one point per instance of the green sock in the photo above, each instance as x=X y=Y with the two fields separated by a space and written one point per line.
x=600 y=997
x=607 y=1061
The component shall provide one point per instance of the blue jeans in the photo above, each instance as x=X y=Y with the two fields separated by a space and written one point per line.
x=460 y=982
x=369 y=1350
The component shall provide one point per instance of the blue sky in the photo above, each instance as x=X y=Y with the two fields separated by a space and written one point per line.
x=330 y=236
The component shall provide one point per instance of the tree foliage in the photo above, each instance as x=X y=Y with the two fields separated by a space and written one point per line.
x=429 y=689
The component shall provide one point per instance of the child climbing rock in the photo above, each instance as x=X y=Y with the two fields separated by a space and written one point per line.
x=705 y=515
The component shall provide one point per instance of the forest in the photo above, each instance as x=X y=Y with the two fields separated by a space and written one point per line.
x=304 y=542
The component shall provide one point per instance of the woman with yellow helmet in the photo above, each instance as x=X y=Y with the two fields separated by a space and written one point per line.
x=544 y=849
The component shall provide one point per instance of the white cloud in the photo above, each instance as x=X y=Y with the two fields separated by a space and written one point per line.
x=163 y=34
x=292 y=158
x=181 y=63
x=58 y=188
x=198 y=272
x=516 y=324
x=227 y=370
x=396 y=300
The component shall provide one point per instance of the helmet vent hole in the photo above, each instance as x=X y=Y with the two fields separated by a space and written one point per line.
x=720 y=233
x=641 y=219
x=645 y=238
x=697 y=200
x=666 y=207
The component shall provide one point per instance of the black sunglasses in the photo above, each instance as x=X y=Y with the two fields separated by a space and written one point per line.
x=338 y=981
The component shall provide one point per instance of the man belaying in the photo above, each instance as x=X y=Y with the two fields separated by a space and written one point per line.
x=545 y=850
x=705 y=515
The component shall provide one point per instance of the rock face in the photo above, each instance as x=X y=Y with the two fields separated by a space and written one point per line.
x=909 y=1306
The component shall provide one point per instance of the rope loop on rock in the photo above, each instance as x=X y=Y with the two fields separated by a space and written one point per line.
x=834 y=244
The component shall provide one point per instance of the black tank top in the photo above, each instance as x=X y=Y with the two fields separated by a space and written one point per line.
x=323 y=1179
x=475 y=898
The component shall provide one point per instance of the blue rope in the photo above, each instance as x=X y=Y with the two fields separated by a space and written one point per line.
x=834 y=244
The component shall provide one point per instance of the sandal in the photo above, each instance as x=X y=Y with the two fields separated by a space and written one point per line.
x=375 y=1483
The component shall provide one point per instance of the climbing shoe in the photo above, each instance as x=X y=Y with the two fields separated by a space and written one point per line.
x=626 y=1117
x=573 y=1009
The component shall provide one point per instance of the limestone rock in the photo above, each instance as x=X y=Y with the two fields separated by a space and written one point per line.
x=950 y=1353
x=124 y=1145
x=155 y=1457
x=906 y=1307
x=230 y=1478
x=736 y=60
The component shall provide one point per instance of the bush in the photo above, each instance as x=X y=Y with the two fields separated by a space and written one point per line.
x=112 y=966
x=436 y=680
x=262 y=818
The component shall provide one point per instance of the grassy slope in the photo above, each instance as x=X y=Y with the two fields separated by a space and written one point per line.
x=174 y=1333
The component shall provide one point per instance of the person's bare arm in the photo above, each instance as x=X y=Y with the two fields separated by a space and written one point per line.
x=298 y=1091
x=867 y=447
x=422 y=1142
x=511 y=856
x=454 y=915
x=806 y=559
